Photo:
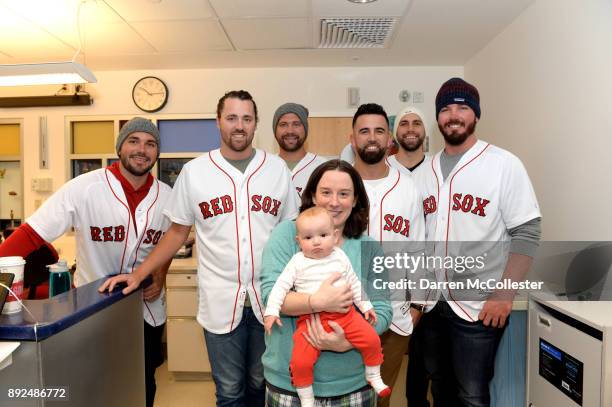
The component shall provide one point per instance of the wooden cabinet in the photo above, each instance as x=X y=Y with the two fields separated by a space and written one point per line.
x=185 y=337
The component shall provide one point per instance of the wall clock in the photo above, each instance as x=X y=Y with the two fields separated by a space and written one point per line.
x=150 y=94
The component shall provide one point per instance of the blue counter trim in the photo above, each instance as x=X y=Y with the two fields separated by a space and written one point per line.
x=58 y=313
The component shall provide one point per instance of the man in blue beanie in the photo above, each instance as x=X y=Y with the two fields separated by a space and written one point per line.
x=476 y=192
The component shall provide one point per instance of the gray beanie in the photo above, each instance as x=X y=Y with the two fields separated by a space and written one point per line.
x=135 y=125
x=299 y=110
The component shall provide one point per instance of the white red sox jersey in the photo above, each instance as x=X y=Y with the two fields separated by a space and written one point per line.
x=396 y=215
x=234 y=214
x=305 y=275
x=487 y=193
x=419 y=174
x=301 y=172
x=108 y=239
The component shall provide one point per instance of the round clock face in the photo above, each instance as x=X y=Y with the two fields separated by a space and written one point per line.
x=150 y=94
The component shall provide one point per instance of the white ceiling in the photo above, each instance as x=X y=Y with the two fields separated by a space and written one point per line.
x=166 y=34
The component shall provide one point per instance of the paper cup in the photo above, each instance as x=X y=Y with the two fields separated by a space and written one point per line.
x=13 y=264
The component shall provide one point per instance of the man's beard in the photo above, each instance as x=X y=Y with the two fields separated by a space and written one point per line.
x=125 y=161
x=456 y=137
x=371 y=157
x=298 y=144
x=236 y=145
x=410 y=146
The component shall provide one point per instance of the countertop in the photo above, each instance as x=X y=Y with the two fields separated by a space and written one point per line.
x=58 y=313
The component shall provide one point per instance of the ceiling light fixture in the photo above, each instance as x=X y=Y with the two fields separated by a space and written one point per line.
x=48 y=73
x=362 y=1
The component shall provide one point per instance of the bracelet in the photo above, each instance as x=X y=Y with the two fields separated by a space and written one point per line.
x=312 y=311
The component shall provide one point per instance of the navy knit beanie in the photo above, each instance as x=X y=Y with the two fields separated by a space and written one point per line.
x=456 y=90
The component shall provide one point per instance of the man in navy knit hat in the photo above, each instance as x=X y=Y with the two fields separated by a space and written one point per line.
x=480 y=193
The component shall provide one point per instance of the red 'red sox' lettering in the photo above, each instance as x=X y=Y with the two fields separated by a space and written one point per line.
x=471 y=204
x=216 y=206
x=107 y=233
x=397 y=224
x=265 y=204
x=152 y=236
x=429 y=205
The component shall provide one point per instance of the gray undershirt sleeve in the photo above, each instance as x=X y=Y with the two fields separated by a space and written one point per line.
x=525 y=238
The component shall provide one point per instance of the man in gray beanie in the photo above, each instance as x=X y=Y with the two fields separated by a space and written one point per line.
x=116 y=213
x=290 y=126
x=137 y=124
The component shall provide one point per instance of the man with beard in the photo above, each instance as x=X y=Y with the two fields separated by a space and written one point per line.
x=477 y=193
x=409 y=131
x=116 y=213
x=396 y=215
x=235 y=196
x=290 y=125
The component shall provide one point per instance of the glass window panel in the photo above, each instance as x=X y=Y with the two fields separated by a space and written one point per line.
x=82 y=166
x=170 y=168
x=93 y=137
x=197 y=135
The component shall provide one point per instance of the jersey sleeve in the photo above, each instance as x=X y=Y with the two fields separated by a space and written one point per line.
x=179 y=206
x=58 y=213
x=281 y=287
x=518 y=200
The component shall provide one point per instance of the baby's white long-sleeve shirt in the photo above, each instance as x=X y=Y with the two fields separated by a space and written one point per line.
x=306 y=276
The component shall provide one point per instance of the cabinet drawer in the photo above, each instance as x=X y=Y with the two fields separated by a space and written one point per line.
x=181 y=280
x=186 y=346
x=182 y=302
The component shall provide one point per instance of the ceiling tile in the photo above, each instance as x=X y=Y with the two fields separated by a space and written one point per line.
x=184 y=36
x=344 y=8
x=147 y=10
x=25 y=41
x=269 y=33
x=114 y=39
x=258 y=8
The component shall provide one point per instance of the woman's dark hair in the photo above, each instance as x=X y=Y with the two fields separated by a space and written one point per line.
x=357 y=221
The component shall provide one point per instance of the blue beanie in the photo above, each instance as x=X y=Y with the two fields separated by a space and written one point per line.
x=456 y=90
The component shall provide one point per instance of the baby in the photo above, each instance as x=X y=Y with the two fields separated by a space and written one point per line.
x=318 y=260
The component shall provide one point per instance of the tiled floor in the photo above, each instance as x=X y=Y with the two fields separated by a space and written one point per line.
x=188 y=393
x=182 y=393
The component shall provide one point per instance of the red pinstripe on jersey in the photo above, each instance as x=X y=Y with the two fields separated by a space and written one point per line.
x=144 y=232
x=127 y=233
x=450 y=190
x=237 y=238
x=305 y=165
x=251 y=234
x=381 y=204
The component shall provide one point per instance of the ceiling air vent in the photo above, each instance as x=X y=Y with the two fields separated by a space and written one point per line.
x=372 y=32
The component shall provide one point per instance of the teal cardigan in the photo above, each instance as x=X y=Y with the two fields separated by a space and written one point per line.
x=335 y=374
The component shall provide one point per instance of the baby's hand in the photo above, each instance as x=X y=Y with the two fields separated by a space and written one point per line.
x=371 y=317
x=269 y=322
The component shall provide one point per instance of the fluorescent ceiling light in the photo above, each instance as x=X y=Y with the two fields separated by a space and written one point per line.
x=49 y=73
x=362 y=1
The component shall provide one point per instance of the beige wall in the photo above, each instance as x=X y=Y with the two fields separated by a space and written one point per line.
x=323 y=90
x=546 y=90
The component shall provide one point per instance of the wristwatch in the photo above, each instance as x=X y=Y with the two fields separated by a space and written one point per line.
x=418 y=307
